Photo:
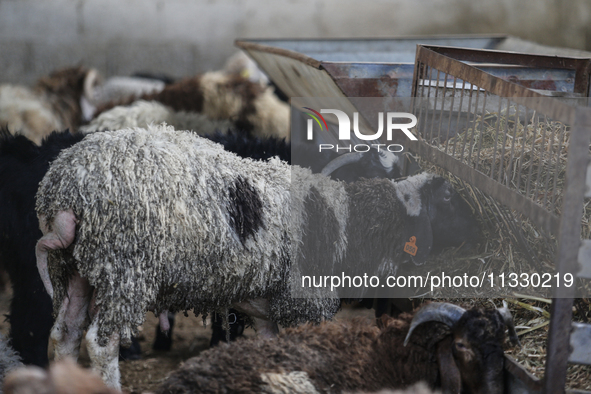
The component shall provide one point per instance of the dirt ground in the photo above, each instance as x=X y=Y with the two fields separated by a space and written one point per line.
x=191 y=337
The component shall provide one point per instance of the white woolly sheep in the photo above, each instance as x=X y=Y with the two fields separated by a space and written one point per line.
x=55 y=103
x=142 y=113
x=163 y=220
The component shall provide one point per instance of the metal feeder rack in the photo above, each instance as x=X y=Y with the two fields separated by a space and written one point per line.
x=455 y=87
x=448 y=85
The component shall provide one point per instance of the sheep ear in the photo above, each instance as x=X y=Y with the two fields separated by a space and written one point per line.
x=451 y=380
x=417 y=238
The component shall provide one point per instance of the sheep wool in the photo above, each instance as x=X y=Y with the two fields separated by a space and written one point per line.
x=141 y=113
x=9 y=360
x=22 y=111
x=167 y=220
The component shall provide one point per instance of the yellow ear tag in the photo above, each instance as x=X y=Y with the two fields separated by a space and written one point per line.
x=410 y=247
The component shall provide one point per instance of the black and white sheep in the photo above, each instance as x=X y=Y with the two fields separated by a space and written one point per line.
x=55 y=103
x=250 y=106
x=163 y=220
x=442 y=345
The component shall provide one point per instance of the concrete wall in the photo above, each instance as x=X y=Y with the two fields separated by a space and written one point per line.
x=184 y=37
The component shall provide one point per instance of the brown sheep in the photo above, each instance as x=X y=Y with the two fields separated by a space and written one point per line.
x=465 y=354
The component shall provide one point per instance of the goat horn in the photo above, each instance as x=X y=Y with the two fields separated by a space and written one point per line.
x=442 y=312
x=508 y=319
x=341 y=161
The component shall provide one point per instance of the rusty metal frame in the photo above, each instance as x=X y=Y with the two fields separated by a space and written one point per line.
x=581 y=66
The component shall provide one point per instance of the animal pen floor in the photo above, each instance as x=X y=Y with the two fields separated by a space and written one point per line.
x=191 y=337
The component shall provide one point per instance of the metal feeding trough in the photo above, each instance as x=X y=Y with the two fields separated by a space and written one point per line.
x=384 y=67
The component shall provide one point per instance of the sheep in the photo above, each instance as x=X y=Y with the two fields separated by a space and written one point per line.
x=163 y=220
x=240 y=64
x=121 y=88
x=9 y=360
x=142 y=113
x=442 y=345
x=22 y=166
x=419 y=388
x=55 y=103
x=63 y=377
x=251 y=107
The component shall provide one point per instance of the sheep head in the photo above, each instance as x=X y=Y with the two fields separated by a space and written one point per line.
x=471 y=359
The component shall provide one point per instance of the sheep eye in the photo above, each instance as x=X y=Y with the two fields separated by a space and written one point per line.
x=460 y=346
x=446 y=198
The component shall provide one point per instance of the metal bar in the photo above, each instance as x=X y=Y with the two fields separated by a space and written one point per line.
x=554 y=186
x=426 y=81
x=510 y=169
x=467 y=123
x=492 y=167
x=533 y=143
x=418 y=94
x=548 y=172
x=502 y=163
x=434 y=106
x=567 y=255
x=541 y=159
x=553 y=108
x=253 y=46
x=582 y=79
x=442 y=105
x=522 y=59
x=471 y=146
x=547 y=221
x=482 y=120
x=451 y=110
x=584 y=259
x=580 y=342
x=558 y=348
x=522 y=145
x=459 y=114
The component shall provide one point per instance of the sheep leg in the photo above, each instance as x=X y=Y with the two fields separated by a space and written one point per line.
x=258 y=309
x=61 y=236
x=266 y=328
x=104 y=359
x=164 y=323
x=68 y=329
